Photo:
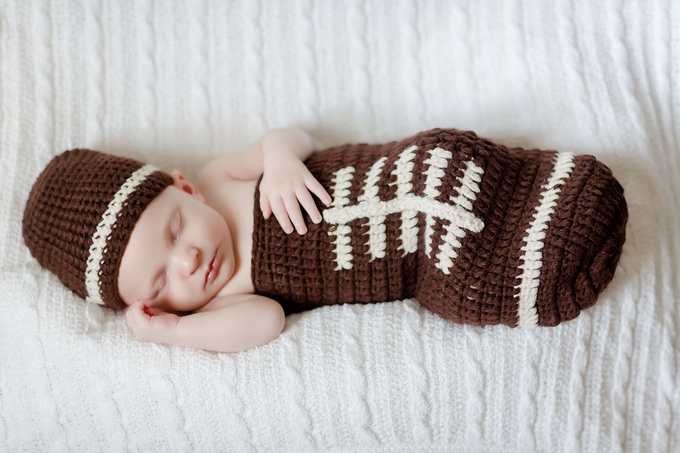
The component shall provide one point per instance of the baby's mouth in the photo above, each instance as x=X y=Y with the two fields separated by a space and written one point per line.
x=212 y=269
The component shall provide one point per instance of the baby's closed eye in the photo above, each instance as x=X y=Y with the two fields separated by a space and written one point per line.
x=177 y=225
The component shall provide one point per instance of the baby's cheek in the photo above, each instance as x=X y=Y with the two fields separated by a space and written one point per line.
x=190 y=299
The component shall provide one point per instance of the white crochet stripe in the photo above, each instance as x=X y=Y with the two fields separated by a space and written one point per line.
x=438 y=160
x=453 y=213
x=343 y=246
x=469 y=185
x=467 y=194
x=459 y=214
x=532 y=258
x=101 y=235
x=447 y=251
x=377 y=239
x=409 y=218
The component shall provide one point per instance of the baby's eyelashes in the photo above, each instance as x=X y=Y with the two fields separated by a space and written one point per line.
x=177 y=226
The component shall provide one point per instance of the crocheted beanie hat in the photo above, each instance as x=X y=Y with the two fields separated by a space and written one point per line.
x=80 y=214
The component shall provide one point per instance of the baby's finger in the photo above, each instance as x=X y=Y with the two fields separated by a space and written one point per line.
x=315 y=186
x=134 y=315
x=281 y=215
x=149 y=310
x=293 y=208
x=265 y=206
x=307 y=202
x=134 y=308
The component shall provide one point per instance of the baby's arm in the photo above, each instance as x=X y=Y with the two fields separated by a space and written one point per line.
x=236 y=323
x=286 y=182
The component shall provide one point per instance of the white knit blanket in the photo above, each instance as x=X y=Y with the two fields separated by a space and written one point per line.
x=178 y=83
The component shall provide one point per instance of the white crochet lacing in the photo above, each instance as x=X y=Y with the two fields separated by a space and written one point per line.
x=459 y=214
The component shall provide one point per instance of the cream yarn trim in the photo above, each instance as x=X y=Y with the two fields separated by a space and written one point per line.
x=369 y=206
x=103 y=232
x=532 y=258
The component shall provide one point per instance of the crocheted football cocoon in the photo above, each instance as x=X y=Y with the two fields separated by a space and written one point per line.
x=477 y=232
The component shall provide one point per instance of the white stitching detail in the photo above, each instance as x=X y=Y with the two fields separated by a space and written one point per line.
x=375 y=210
x=103 y=231
x=409 y=218
x=377 y=239
x=467 y=194
x=438 y=160
x=343 y=246
x=532 y=258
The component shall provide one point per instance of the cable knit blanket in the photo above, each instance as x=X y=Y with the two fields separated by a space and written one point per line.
x=180 y=83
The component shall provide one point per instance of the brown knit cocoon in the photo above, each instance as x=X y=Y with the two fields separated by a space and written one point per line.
x=67 y=204
x=477 y=232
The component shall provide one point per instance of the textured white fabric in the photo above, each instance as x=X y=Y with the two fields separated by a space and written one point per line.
x=179 y=83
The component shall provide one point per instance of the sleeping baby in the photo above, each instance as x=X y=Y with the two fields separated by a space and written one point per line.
x=477 y=232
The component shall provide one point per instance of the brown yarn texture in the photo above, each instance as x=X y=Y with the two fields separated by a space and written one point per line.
x=67 y=203
x=581 y=246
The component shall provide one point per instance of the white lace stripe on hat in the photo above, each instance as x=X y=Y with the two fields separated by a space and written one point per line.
x=101 y=235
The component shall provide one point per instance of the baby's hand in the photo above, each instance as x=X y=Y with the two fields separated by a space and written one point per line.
x=149 y=324
x=285 y=182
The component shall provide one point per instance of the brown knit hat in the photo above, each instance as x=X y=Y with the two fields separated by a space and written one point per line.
x=80 y=214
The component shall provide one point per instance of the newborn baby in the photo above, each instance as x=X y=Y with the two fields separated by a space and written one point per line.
x=478 y=233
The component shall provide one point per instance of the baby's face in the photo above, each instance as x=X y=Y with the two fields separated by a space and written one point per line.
x=180 y=252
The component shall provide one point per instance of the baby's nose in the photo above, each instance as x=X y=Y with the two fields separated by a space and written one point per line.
x=187 y=260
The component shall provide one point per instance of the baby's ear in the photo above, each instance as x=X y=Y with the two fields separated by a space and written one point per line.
x=182 y=183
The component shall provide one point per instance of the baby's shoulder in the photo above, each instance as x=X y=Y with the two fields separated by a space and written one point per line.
x=232 y=199
x=224 y=193
x=211 y=176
